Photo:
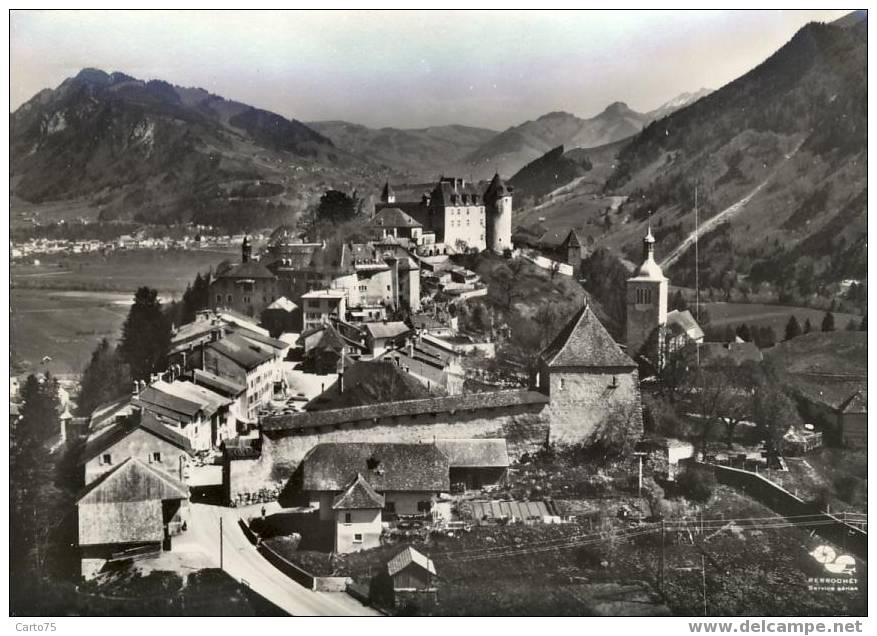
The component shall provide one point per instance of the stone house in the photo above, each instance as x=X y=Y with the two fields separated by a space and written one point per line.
x=245 y=362
x=138 y=435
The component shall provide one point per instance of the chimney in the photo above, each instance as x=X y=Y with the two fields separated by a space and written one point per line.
x=136 y=390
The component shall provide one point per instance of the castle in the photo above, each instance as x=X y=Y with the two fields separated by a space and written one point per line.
x=455 y=213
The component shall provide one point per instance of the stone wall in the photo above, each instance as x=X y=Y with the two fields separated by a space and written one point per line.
x=524 y=427
x=582 y=399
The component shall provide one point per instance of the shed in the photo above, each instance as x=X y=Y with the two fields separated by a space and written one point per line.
x=475 y=463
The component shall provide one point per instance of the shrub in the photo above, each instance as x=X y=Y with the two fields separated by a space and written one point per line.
x=697 y=484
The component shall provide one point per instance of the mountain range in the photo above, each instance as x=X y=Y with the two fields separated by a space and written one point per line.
x=779 y=161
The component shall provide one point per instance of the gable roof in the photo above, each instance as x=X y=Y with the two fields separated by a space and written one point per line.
x=685 y=322
x=394 y=467
x=394 y=217
x=474 y=453
x=283 y=303
x=132 y=480
x=155 y=395
x=221 y=385
x=242 y=352
x=248 y=270
x=108 y=437
x=371 y=382
x=856 y=403
x=408 y=556
x=584 y=342
x=359 y=495
x=386 y=329
x=572 y=239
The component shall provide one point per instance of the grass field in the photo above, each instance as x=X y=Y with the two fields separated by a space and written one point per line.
x=63 y=307
x=775 y=316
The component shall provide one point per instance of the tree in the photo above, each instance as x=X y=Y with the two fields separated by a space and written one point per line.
x=793 y=328
x=336 y=207
x=506 y=284
x=773 y=413
x=104 y=379
x=808 y=327
x=196 y=297
x=828 y=321
x=744 y=333
x=40 y=411
x=678 y=301
x=146 y=335
x=708 y=392
x=736 y=404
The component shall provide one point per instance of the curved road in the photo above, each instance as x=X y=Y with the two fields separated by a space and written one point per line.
x=243 y=563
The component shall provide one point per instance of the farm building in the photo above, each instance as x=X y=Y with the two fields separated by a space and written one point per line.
x=409 y=476
x=852 y=419
x=357 y=515
x=137 y=435
x=475 y=463
x=132 y=510
x=413 y=574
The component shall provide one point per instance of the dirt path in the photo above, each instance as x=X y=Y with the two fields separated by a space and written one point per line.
x=710 y=224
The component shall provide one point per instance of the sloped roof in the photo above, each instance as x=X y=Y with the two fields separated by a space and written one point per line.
x=210 y=401
x=156 y=396
x=387 y=467
x=496 y=189
x=370 y=382
x=572 y=239
x=856 y=403
x=446 y=404
x=283 y=303
x=584 y=342
x=221 y=385
x=394 y=217
x=259 y=338
x=685 y=322
x=106 y=438
x=132 y=480
x=359 y=495
x=474 y=453
x=248 y=270
x=408 y=556
x=386 y=329
x=241 y=351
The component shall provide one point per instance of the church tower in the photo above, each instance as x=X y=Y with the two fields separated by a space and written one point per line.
x=498 y=202
x=387 y=194
x=246 y=250
x=646 y=302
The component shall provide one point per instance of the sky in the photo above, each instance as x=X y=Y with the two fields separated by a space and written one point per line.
x=407 y=69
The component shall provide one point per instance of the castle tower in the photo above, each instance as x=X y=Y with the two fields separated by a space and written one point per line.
x=498 y=202
x=387 y=194
x=646 y=303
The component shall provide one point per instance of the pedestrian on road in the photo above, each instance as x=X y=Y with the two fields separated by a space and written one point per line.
x=263 y=512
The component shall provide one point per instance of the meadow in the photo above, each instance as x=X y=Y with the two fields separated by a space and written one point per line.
x=63 y=307
x=775 y=316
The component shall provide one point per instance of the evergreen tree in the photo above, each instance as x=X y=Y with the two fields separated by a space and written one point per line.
x=807 y=326
x=40 y=412
x=146 y=335
x=104 y=379
x=828 y=322
x=793 y=329
x=744 y=332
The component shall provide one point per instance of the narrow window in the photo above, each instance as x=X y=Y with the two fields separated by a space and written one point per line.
x=156 y=458
x=347 y=517
x=106 y=459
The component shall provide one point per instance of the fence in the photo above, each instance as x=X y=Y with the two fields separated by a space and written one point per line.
x=836 y=530
x=290 y=569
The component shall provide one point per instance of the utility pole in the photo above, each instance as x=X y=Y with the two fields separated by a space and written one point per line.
x=220 y=543
x=703 y=578
x=662 y=556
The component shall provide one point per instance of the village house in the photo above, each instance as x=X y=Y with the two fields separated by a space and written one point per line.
x=382 y=335
x=229 y=389
x=137 y=435
x=321 y=306
x=409 y=476
x=199 y=414
x=245 y=362
x=188 y=340
x=357 y=516
x=131 y=510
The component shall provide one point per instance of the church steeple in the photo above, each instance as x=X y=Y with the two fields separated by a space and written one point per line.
x=387 y=194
